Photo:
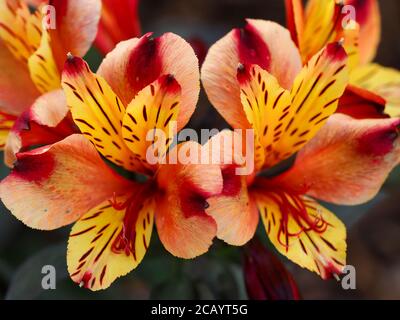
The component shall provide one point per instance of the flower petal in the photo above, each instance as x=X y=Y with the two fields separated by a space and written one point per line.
x=53 y=186
x=96 y=255
x=347 y=162
x=97 y=111
x=232 y=210
x=361 y=104
x=295 y=19
x=382 y=81
x=46 y=121
x=17 y=91
x=305 y=232
x=154 y=110
x=119 y=22
x=16 y=29
x=264 y=43
x=369 y=20
x=324 y=22
x=182 y=223
x=76 y=28
x=283 y=123
x=136 y=63
x=42 y=66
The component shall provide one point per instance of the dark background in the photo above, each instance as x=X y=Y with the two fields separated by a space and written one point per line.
x=373 y=229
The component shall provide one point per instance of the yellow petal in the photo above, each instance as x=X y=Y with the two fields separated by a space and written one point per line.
x=97 y=111
x=156 y=107
x=304 y=231
x=266 y=105
x=43 y=68
x=6 y=123
x=382 y=81
x=97 y=247
x=18 y=28
x=284 y=122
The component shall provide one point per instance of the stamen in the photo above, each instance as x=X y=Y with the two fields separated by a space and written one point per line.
x=293 y=207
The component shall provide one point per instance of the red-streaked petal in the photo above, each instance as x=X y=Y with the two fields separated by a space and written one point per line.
x=17 y=91
x=119 y=21
x=359 y=103
x=264 y=43
x=136 y=63
x=302 y=230
x=348 y=161
x=265 y=275
x=55 y=185
x=369 y=18
x=76 y=27
x=46 y=121
x=98 y=251
x=182 y=223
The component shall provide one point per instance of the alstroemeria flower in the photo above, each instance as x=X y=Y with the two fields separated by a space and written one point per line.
x=142 y=85
x=322 y=22
x=32 y=58
x=255 y=79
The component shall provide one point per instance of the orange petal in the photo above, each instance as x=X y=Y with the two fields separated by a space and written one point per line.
x=46 y=121
x=264 y=43
x=76 y=28
x=136 y=63
x=303 y=231
x=369 y=19
x=347 y=162
x=236 y=216
x=97 y=246
x=55 y=185
x=119 y=22
x=17 y=91
x=182 y=223
x=361 y=104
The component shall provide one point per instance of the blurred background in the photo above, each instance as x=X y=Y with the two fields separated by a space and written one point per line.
x=373 y=229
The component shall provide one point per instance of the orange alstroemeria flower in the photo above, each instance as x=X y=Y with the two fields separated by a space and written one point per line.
x=255 y=79
x=142 y=85
x=31 y=60
x=322 y=22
